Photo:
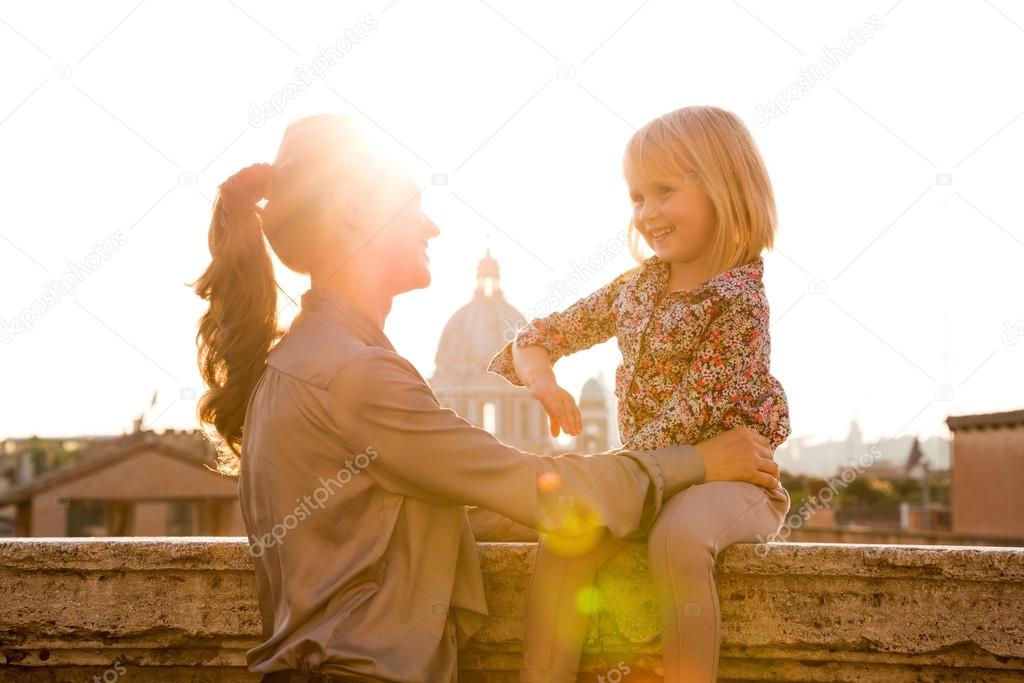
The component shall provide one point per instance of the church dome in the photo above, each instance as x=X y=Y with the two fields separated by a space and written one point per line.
x=592 y=390
x=478 y=330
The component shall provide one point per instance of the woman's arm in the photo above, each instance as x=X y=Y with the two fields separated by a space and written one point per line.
x=722 y=383
x=378 y=403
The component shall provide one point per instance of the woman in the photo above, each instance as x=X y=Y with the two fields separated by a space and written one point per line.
x=354 y=479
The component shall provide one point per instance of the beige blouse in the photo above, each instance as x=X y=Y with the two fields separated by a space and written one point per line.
x=353 y=487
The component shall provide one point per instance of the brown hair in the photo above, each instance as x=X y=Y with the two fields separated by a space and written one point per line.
x=240 y=327
x=712 y=147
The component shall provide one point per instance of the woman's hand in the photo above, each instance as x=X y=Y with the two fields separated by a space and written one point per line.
x=559 y=404
x=740 y=454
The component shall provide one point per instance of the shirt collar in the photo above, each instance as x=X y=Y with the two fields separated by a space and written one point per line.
x=744 y=277
x=339 y=307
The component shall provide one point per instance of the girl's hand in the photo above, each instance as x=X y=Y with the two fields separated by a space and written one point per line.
x=558 y=404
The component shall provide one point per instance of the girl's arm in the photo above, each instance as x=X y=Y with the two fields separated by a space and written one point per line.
x=589 y=321
x=532 y=363
x=528 y=360
x=766 y=412
x=534 y=366
x=727 y=383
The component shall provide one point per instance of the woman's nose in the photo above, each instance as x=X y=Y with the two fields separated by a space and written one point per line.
x=432 y=229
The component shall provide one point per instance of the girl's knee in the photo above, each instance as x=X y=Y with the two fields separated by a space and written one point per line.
x=780 y=501
x=697 y=522
x=761 y=521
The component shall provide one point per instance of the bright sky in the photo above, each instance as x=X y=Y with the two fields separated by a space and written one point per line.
x=898 y=263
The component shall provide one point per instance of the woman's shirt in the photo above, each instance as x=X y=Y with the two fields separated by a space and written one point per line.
x=353 y=487
x=694 y=362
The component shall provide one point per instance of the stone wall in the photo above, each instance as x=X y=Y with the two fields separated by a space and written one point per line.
x=182 y=609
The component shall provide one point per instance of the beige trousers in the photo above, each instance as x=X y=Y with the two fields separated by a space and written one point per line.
x=692 y=528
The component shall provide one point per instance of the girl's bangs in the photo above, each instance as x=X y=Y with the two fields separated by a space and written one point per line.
x=650 y=156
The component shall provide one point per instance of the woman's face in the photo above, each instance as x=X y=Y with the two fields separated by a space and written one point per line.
x=394 y=232
x=672 y=213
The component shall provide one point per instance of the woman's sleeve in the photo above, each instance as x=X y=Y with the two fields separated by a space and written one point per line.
x=589 y=321
x=727 y=383
x=379 y=404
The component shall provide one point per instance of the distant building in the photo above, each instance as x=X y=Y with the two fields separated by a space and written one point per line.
x=593 y=437
x=926 y=515
x=798 y=455
x=461 y=381
x=142 y=484
x=22 y=459
x=988 y=474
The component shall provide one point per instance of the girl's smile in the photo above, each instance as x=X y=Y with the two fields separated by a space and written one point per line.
x=676 y=218
x=658 y=233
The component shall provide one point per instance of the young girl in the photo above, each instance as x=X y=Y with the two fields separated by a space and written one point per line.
x=692 y=325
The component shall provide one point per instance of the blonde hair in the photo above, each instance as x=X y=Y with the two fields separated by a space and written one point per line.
x=712 y=147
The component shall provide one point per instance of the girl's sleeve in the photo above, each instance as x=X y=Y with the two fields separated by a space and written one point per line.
x=766 y=412
x=589 y=321
x=727 y=383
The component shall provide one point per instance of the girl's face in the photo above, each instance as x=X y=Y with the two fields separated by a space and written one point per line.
x=675 y=217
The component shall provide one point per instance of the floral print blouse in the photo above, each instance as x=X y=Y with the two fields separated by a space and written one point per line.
x=694 y=363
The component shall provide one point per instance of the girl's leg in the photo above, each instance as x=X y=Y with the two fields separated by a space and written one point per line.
x=684 y=543
x=555 y=626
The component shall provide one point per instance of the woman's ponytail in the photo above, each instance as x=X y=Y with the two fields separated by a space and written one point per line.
x=239 y=329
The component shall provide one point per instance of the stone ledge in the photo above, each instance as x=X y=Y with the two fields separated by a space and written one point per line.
x=183 y=609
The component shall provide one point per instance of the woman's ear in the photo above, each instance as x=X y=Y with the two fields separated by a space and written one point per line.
x=344 y=207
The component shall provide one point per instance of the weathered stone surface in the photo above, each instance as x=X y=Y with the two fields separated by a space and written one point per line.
x=182 y=609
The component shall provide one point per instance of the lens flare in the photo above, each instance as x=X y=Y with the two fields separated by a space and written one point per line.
x=588 y=600
x=570 y=527
x=548 y=481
